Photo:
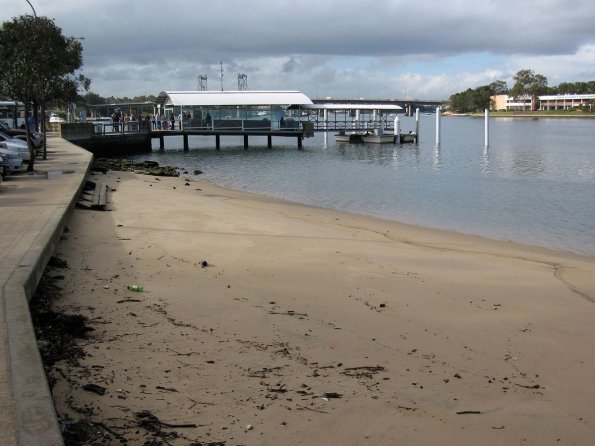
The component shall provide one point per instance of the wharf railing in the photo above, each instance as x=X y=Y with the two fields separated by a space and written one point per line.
x=222 y=125
x=108 y=128
x=344 y=121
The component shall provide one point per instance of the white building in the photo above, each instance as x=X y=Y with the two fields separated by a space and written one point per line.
x=565 y=101
x=503 y=102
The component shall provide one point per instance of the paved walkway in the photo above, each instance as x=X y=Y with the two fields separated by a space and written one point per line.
x=34 y=209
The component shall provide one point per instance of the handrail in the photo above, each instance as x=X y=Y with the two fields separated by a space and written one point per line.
x=116 y=128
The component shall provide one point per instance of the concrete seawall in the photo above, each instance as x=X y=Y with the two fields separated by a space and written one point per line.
x=107 y=144
x=34 y=210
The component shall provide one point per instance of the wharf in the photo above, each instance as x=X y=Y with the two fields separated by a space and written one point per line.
x=35 y=209
x=246 y=133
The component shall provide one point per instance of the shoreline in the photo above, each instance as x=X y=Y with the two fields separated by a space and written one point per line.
x=529 y=114
x=413 y=226
x=309 y=323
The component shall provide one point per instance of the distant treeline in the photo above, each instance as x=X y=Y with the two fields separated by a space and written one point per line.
x=526 y=83
x=95 y=99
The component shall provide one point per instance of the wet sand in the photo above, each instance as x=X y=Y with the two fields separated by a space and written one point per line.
x=310 y=326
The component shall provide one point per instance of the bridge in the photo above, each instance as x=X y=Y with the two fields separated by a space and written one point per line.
x=409 y=105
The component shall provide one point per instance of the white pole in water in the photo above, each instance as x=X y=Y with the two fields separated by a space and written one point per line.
x=325 y=117
x=437 y=126
x=487 y=128
x=397 y=126
x=417 y=125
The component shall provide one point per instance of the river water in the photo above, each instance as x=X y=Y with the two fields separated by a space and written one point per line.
x=534 y=184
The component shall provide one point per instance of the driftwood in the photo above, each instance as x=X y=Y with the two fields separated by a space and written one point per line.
x=94 y=388
x=288 y=313
x=364 y=371
x=310 y=408
x=150 y=422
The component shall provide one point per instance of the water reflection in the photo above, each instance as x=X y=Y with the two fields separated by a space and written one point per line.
x=406 y=154
x=436 y=158
x=528 y=163
x=485 y=161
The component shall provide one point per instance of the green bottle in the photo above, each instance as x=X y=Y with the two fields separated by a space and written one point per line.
x=136 y=288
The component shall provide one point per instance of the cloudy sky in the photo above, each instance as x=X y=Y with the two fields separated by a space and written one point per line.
x=338 y=48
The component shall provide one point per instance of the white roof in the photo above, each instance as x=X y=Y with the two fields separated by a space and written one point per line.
x=234 y=98
x=567 y=97
x=337 y=106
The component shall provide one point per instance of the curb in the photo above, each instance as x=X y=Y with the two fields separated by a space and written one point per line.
x=36 y=419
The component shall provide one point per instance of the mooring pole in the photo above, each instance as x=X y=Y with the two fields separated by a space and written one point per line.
x=487 y=128
x=417 y=125
x=437 y=126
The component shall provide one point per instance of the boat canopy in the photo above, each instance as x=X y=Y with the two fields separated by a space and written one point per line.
x=283 y=99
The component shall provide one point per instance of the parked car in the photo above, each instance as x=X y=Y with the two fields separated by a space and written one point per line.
x=36 y=137
x=17 y=145
x=11 y=161
x=4 y=164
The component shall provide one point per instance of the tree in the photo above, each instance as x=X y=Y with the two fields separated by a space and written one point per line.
x=498 y=87
x=92 y=99
x=478 y=99
x=38 y=64
x=528 y=83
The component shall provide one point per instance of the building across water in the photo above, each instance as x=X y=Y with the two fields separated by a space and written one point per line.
x=504 y=102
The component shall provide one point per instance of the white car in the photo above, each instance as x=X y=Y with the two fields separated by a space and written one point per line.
x=36 y=137
x=18 y=145
x=12 y=161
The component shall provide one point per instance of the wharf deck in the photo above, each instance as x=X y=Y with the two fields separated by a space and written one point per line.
x=246 y=133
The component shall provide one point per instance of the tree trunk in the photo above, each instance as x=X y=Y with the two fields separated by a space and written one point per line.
x=31 y=166
x=44 y=131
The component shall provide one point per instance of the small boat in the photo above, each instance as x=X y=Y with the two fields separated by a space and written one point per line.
x=54 y=117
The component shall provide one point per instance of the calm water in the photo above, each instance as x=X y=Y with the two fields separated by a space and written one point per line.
x=535 y=183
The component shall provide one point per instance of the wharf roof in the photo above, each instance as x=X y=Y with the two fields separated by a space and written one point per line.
x=232 y=98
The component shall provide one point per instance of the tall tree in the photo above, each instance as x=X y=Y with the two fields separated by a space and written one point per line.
x=38 y=64
x=528 y=83
x=498 y=87
x=478 y=99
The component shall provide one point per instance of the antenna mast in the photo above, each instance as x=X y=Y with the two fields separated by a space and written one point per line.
x=242 y=82
x=221 y=74
x=201 y=83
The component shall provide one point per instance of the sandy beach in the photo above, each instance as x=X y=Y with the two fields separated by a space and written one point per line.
x=264 y=322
